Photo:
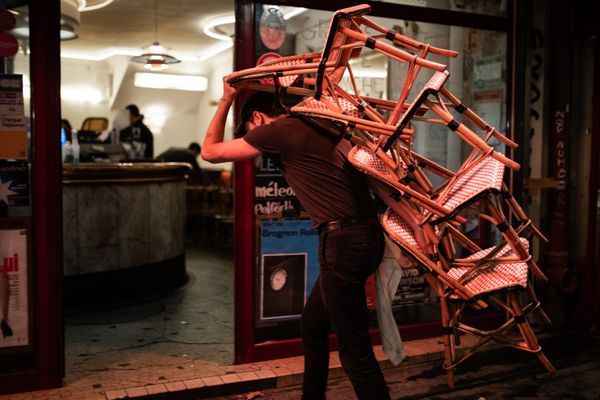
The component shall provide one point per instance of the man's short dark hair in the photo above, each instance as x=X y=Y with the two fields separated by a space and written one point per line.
x=133 y=110
x=267 y=103
x=194 y=147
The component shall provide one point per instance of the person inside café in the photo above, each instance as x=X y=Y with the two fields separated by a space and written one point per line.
x=187 y=155
x=137 y=137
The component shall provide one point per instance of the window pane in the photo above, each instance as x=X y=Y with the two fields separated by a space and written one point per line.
x=477 y=77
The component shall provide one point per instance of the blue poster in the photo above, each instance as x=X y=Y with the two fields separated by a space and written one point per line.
x=289 y=267
x=14 y=188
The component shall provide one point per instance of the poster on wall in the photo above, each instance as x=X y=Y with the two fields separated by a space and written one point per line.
x=14 y=304
x=14 y=188
x=272 y=194
x=412 y=289
x=289 y=267
x=13 y=124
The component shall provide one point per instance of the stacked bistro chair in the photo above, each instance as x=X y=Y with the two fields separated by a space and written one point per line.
x=317 y=75
x=460 y=272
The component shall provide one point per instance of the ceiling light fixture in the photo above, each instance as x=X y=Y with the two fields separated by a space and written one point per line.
x=210 y=27
x=193 y=83
x=156 y=57
x=215 y=28
x=69 y=20
x=91 y=5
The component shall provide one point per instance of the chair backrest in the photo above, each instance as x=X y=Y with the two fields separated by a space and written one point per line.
x=431 y=88
x=94 y=124
x=402 y=234
x=332 y=50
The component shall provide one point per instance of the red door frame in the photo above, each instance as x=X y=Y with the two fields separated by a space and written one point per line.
x=246 y=350
x=589 y=275
x=46 y=195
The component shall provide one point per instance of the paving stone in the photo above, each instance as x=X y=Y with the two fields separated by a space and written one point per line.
x=175 y=386
x=230 y=378
x=212 y=381
x=116 y=394
x=194 y=383
x=156 y=389
x=137 y=392
x=265 y=373
x=247 y=376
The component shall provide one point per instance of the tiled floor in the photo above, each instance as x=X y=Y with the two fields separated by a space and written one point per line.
x=181 y=342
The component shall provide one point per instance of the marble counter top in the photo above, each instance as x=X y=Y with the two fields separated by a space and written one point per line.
x=121 y=216
x=123 y=173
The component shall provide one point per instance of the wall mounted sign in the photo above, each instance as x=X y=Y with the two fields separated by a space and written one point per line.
x=8 y=45
x=272 y=28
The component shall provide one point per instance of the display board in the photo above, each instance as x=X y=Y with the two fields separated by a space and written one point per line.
x=289 y=267
x=15 y=212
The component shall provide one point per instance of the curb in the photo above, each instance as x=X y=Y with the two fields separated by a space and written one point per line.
x=288 y=373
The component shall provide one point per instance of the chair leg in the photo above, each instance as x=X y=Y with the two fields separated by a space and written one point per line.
x=448 y=337
x=533 y=298
x=447 y=331
x=528 y=334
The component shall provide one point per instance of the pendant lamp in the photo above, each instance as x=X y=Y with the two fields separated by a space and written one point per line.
x=155 y=57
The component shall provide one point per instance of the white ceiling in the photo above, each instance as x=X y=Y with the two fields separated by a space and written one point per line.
x=126 y=26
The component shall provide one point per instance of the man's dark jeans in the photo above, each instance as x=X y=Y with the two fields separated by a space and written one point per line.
x=347 y=257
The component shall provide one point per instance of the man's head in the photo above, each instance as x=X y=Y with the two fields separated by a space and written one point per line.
x=194 y=148
x=258 y=109
x=134 y=113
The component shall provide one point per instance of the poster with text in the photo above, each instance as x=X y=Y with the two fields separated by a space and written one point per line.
x=14 y=304
x=289 y=267
x=412 y=289
x=272 y=194
x=13 y=123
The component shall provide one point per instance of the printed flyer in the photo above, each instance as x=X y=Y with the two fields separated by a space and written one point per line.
x=13 y=123
x=14 y=304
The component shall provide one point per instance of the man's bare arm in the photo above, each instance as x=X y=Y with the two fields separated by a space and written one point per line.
x=214 y=149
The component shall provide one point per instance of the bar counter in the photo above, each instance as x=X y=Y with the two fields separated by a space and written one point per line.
x=124 y=230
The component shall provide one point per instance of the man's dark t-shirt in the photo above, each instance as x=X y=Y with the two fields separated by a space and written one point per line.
x=315 y=165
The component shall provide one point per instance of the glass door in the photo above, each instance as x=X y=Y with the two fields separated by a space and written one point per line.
x=267 y=319
x=31 y=344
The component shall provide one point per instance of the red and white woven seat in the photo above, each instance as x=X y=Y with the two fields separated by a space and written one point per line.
x=282 y=80
x=320 y=105
x=486 y=175
x=488 y=279
x=399 y=230
x=366 y=161
x=494 y=277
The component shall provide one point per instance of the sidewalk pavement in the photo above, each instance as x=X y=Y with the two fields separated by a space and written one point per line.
x=190 y=383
